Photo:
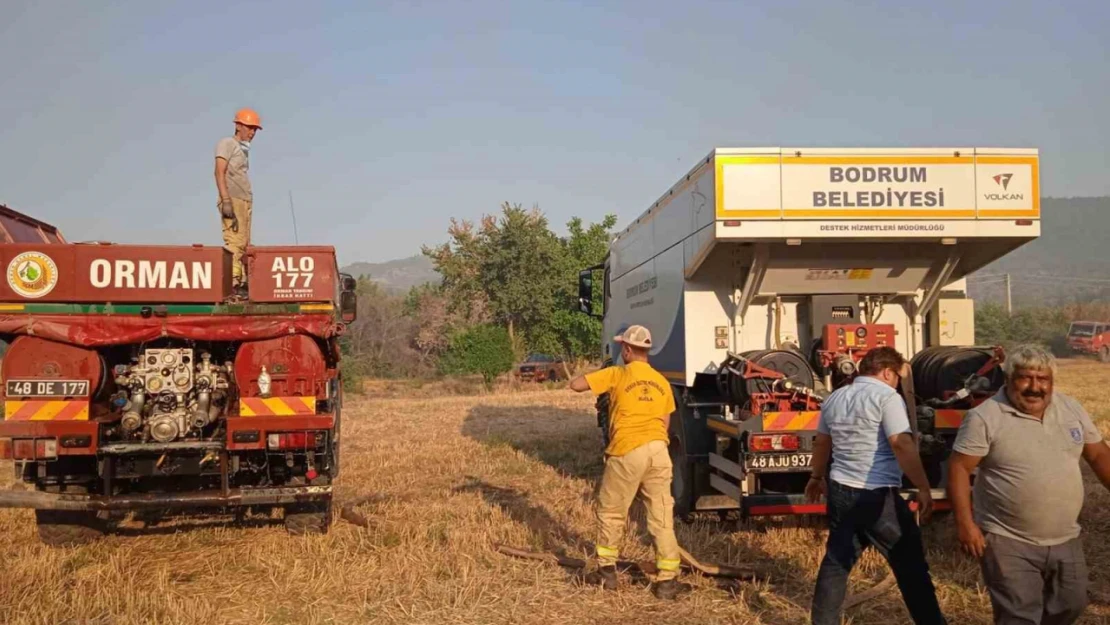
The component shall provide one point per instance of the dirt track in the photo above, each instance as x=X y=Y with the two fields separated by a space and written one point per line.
x=456 y=475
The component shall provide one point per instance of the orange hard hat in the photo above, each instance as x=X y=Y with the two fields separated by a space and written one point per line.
x=248 y=117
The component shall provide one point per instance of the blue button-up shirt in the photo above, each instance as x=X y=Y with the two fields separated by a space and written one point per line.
x=860 y=418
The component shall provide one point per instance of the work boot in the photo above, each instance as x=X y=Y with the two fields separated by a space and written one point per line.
x=669 y=589
x=605 y=576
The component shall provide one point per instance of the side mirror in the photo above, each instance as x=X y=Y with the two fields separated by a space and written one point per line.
x=348 y=282
x=586 y=292
x=348 y=306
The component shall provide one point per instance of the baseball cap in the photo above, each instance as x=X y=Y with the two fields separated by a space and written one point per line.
x=636 y=336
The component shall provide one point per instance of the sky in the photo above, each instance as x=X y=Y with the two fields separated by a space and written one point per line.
x=386 y=119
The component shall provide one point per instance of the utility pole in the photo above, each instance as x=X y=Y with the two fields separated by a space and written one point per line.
x=1009 y=304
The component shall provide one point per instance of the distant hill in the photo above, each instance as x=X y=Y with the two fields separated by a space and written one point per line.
x=397 y=275
x=1069 y=262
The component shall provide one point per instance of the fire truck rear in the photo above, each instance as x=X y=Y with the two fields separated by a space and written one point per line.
x=131 y=383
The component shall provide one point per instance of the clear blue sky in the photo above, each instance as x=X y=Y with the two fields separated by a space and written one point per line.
x=386 y=118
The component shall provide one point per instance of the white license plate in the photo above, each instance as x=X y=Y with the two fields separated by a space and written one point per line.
x=47 y=388
x=778 y=462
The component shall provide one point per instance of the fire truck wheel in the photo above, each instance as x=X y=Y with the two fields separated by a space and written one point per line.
x=310 y=518
x=1104 y=353
x=64 y=528
x=682 y=481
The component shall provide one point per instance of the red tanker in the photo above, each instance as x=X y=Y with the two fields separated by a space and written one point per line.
x=131 y=382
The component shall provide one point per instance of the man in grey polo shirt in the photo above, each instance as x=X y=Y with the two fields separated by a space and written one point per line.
x=1026 y=442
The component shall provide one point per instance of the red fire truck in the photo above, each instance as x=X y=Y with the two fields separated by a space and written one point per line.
x=132 y=384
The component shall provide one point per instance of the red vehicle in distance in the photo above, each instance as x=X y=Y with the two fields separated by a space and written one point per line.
x=1090 y=337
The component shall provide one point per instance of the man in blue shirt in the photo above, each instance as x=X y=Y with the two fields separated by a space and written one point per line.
x=865 y=428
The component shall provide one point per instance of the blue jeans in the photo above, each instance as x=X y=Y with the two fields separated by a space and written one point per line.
x=880 y=518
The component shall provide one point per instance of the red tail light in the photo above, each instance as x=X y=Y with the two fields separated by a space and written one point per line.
x=46 y=448
x=295 y=440
x=34 y=449
x=773 y=442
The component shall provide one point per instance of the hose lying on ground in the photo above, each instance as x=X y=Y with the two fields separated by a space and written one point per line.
x=347 y=513
x=711 y=570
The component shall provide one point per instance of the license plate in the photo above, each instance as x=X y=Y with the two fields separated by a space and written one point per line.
x=47 y=388
x=769 y=463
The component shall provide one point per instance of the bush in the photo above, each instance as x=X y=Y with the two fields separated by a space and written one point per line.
x=353 y=372
x=1043 y=326
x=483 y=349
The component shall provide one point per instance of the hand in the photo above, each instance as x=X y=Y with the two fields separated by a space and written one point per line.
x=971 y=537
x=226 y=208
x=924 y=499
x=815 y=489
x=234 y=223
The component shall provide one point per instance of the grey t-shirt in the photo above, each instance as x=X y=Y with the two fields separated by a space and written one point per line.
x=1029 y=487
x=238 y=163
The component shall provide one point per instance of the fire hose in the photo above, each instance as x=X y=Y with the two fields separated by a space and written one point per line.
x=349 y=514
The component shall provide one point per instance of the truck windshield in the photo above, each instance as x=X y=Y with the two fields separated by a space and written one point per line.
x=1082 y=329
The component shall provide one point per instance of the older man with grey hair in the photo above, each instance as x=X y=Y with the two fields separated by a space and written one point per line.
x=1026 y=442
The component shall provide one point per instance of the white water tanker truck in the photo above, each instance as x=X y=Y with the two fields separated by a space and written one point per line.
x=766 y=274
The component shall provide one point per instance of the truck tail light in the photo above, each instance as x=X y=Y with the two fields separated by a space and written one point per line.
x=34 y=449
x=295 y=440
x=46 y=448
x=23 y=449
x=5 y=449
x=774 y=442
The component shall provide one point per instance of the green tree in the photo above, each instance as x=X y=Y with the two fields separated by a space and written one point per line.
x=484 y=349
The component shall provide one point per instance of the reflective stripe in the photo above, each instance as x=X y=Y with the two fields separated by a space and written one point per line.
x=607 y=552
x=668 y=565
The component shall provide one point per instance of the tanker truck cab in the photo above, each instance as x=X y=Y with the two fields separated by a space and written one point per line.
x=767 y=274
x=134 y=384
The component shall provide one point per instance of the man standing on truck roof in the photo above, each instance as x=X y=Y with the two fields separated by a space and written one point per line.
x=234 y=187
x=636 y=461
x=1026 y=442
x=865 y=427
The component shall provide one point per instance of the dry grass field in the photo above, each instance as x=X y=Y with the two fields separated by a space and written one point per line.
x=453 y=475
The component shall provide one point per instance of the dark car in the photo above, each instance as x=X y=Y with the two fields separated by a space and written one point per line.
x=540 y=368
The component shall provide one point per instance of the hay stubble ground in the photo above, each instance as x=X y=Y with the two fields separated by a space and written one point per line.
x=453 y=475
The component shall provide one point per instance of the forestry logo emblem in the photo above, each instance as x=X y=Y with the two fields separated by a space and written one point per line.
x=32 y=274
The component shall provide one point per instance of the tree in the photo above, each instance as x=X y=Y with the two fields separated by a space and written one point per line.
x=526 y=276
x=484 y=349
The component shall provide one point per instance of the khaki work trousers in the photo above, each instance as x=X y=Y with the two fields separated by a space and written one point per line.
x=236 y=241
x=645 y=470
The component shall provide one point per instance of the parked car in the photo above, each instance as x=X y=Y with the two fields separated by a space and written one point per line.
x=540 y=368
x=1090 y=337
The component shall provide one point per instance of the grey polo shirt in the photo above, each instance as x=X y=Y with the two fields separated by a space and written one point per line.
x=1029 y=487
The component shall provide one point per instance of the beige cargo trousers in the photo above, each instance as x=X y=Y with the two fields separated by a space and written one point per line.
x=237 y=240
x=646 y=471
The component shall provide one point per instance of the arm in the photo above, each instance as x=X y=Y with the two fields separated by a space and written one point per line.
x=221 y=177
x=1095 y=451
x=822 y=450
x=1097 y=456
x=971 y=445
x=905 y=450
x=579 y=384
x=597 y=382
x=896 y=427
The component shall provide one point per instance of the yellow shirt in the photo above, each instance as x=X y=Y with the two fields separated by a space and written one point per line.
x=639 y=401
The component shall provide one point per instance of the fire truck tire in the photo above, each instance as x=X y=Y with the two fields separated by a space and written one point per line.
x=1104 y=353
x=682 y=479
x=65 y=528
x=336 y=439
x=304 y=519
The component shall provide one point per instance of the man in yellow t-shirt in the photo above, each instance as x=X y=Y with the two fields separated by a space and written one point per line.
x=636 y=461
